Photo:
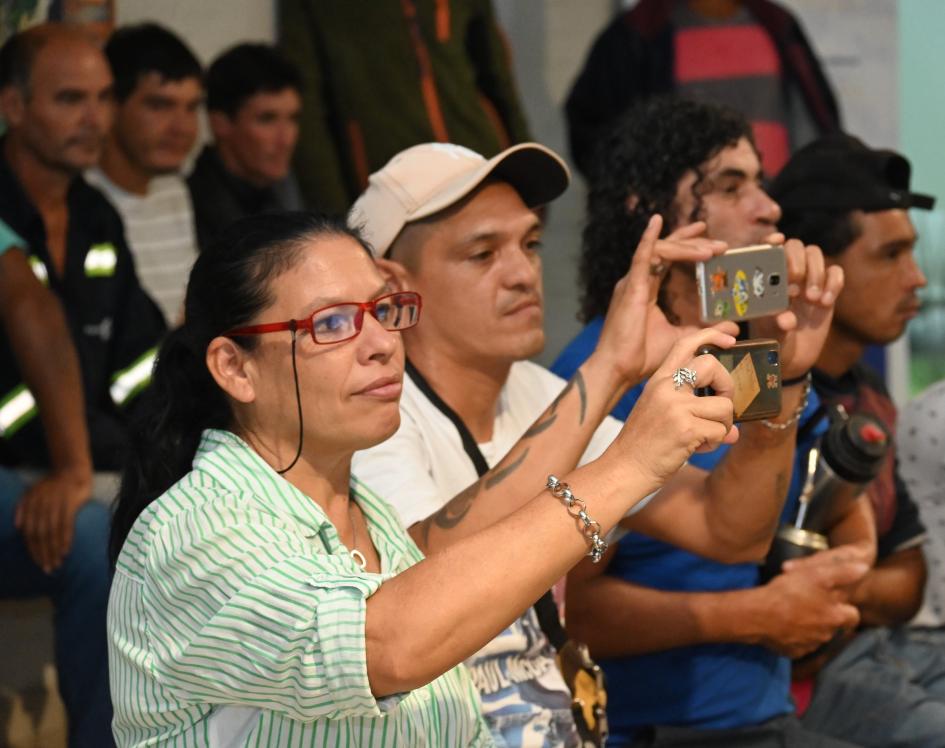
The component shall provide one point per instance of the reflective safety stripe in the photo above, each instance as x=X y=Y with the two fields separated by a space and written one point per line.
x=100 y=261
x=16 y=409
x=39 y=270
x=130 y=381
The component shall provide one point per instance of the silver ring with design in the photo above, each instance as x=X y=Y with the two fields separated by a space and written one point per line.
x=684 y=375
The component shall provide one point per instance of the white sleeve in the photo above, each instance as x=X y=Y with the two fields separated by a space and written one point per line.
x=399 y=470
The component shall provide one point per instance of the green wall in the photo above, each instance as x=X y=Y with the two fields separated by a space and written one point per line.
x=922 y=139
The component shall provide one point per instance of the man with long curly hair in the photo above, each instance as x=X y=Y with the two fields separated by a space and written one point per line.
x=695 y=651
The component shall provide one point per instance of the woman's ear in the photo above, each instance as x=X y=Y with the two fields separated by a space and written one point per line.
x=395 y=274
x=232 y=369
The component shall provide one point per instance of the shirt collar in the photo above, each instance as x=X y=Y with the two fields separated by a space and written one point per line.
x=232 y=463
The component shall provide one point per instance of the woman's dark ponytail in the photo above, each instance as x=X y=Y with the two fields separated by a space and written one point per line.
x=181 y=401
x=228 y=287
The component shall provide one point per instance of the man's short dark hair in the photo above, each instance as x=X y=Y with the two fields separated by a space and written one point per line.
x=136 y=51
x=831 y=230
x=244 y=71
x=16 y=60
x=637 y=173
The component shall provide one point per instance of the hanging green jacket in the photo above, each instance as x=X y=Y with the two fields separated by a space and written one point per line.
x=382 y=75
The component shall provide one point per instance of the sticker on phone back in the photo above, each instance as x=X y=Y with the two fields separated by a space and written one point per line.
x=747 y=388
x=740 y=293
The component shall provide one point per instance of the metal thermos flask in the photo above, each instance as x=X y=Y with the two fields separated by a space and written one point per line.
x=839 y=466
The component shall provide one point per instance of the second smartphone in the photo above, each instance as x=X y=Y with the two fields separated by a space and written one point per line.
x=755 y=366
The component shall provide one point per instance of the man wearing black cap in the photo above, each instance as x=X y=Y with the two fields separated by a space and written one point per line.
x=887 y=686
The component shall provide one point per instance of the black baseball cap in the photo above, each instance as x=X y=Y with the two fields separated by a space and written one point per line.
x=840 y=172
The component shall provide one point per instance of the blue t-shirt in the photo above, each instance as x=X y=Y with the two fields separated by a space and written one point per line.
x=703 y=686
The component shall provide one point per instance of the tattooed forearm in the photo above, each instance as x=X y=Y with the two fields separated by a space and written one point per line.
x=539 y=426
x=504 y=472
x=582 y=390
x=563 y=394
x=551 y=416
x=453 y=511
x=456 y=509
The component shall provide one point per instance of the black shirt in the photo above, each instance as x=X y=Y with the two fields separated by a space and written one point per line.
x=862 y=390
x=114 y=324
x=219 y=197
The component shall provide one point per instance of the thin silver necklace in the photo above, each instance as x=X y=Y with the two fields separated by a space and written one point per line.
x=355 y=554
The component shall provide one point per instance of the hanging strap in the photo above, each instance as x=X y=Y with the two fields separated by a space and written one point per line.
x=469 y=443
x=546 y=609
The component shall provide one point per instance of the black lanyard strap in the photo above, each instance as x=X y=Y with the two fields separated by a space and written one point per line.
x=546 y=609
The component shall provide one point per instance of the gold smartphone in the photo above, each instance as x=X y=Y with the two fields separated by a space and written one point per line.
x=755 y=366
x=743 y=283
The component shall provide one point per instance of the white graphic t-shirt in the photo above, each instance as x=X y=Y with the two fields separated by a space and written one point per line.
x=419 y=469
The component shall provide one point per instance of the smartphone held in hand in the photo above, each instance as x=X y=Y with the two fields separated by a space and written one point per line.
x=743 y=283
x=755 y=366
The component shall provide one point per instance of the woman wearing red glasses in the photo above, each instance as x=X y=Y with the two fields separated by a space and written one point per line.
x=262 y=596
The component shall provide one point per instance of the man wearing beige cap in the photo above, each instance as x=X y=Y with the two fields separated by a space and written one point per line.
x=462 y=231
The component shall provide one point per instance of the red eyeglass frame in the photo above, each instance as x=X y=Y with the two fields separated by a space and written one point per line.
x=293 y=325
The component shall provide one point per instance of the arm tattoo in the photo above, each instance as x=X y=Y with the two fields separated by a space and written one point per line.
x=582 y=390
x=456 y=509
x=453 y=511
x=564 y=393
x=536 y=428
x=502 y=473
x=576 y=381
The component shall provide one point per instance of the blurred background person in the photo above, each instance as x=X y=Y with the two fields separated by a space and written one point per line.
x=921 y=433
x=254 y=96
x=158 y=91
x=751 y=55
x=60 y=414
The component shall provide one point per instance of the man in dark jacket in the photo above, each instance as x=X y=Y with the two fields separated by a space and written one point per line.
x=55 y=96
x=61 y=415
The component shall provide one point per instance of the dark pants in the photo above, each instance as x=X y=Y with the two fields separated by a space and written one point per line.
x=79 y=593
x=781 y=732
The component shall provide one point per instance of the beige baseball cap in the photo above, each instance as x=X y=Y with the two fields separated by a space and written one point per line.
x=425 y=179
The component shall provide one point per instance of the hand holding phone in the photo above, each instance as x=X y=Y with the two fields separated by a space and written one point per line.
x=743 y=283
x=756 y=373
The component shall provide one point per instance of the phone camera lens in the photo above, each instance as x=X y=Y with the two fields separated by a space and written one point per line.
x=774 y=279
x=773 y=358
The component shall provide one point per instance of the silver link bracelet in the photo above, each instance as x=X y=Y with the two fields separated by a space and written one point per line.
x=577 y=509
x=798 y=411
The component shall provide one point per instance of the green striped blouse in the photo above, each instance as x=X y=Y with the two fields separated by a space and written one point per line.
x=236 y=618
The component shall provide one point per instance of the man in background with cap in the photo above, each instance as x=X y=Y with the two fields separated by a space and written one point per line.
x=887 y=685
x=462 y=231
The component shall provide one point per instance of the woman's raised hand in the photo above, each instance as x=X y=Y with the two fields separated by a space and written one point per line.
x=670 y=421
